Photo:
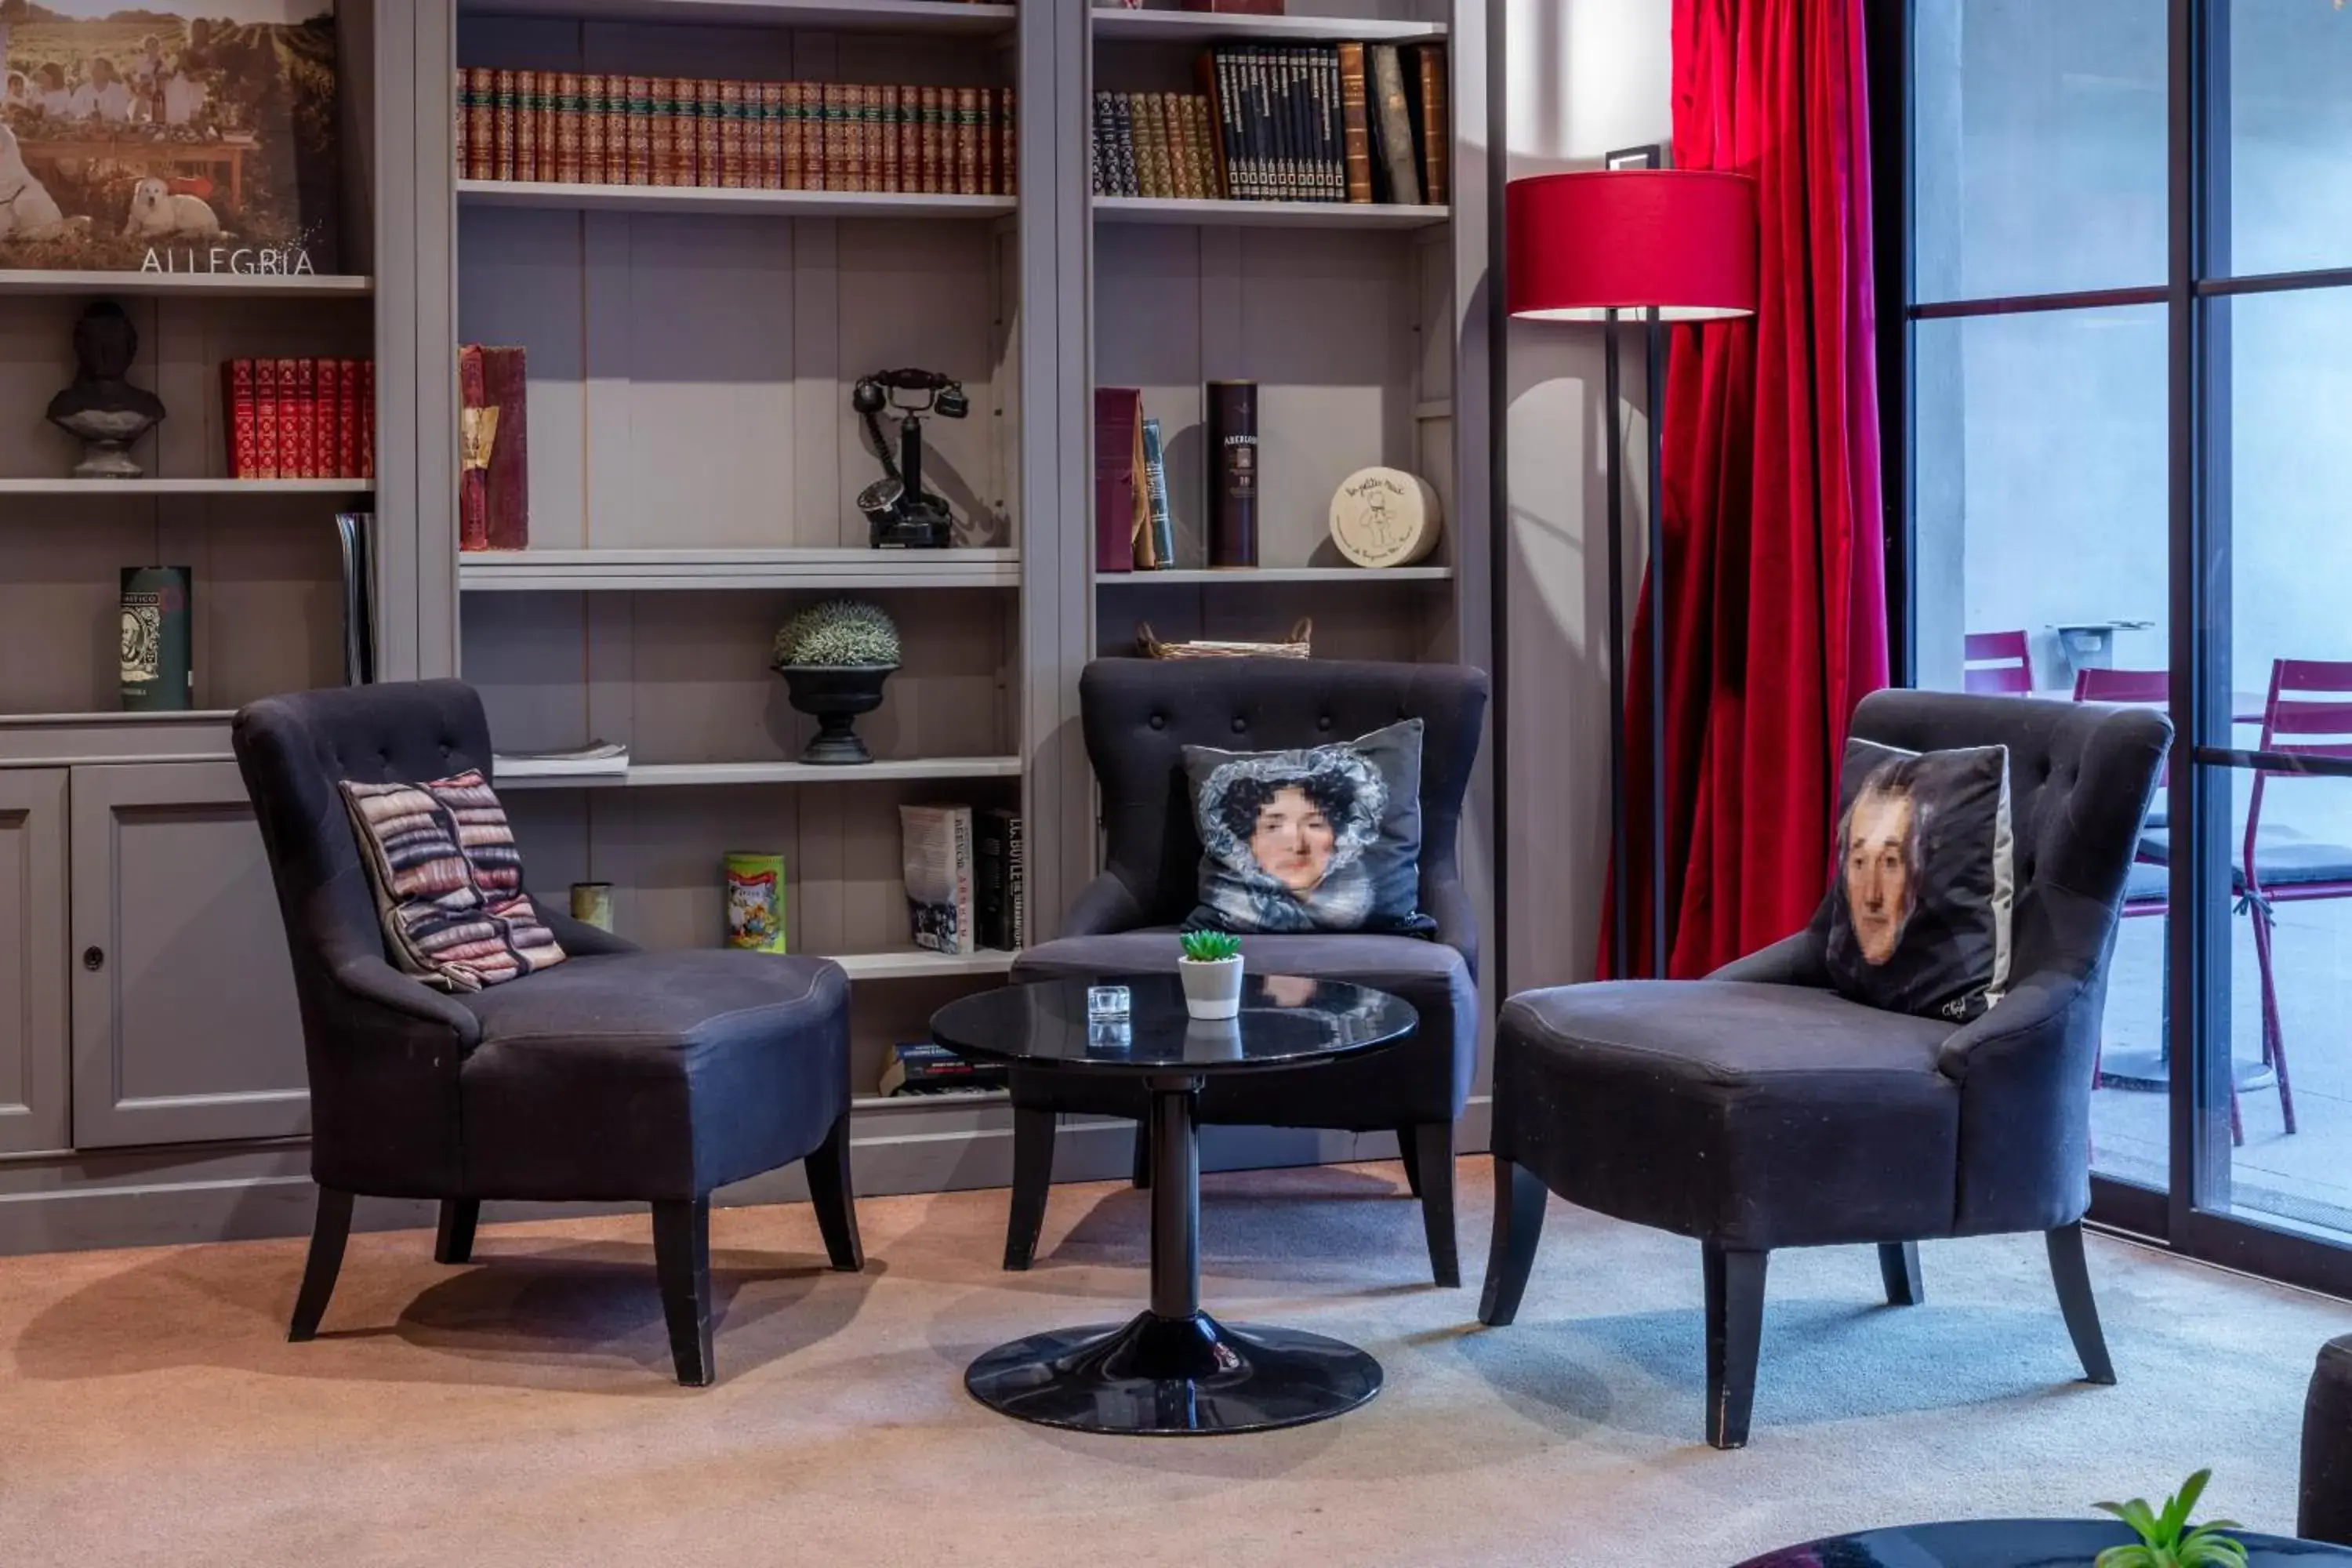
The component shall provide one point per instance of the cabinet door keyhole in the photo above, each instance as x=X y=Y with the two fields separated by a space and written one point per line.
x=93 y=958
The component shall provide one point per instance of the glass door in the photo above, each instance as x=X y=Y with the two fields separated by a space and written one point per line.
x=2124 y=407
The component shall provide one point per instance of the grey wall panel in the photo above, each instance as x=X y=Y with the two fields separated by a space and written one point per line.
x=185 y=1026
x=34 y=1113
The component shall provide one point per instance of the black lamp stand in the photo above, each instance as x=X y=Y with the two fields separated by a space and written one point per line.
x=1654 y=589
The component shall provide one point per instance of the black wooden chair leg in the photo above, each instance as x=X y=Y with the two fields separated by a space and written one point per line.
x=329 y=1231
x=1409 y=1152
x=1898 y=1265
x=1140 y=1175
x=2071 y=1271
x=1735 y=1333
x=1519 y=1199
x=453 y=1239
x=834 y=1196
x=682 y=1260
x=1033 y=1179
x=1433 y=1145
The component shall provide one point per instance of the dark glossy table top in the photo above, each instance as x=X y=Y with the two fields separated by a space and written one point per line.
x=1286 y=1021
x=2011 y=1543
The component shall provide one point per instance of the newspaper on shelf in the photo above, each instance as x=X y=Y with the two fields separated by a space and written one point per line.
x=598 y=759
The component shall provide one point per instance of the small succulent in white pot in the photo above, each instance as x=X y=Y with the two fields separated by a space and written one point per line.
x=1210 y=970
x=2166 y=1539
x=835 y=656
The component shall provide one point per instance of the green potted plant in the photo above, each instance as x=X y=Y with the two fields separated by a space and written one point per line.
x=835 y=656
x=1210 y=970
x=2167 y=1540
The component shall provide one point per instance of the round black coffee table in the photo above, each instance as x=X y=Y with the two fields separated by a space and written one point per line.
x=1174 y=1369
x=2011 y=1543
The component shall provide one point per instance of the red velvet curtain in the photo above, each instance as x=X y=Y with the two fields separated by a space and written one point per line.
x=1775 y=579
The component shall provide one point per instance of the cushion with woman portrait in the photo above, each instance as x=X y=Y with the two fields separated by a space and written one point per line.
x=1325 y=839
x=1919 y=906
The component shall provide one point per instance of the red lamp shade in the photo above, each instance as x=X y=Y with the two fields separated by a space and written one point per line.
x=1681 y=241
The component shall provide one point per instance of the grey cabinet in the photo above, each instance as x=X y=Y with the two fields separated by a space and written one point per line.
x=184 y=1022
x=32 y=1078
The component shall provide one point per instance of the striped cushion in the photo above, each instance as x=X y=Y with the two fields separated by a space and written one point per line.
x=448 y=882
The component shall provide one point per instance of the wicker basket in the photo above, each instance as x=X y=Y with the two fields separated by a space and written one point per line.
x=1293 y=646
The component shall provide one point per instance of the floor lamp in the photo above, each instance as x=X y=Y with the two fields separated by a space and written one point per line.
x=1610 y=246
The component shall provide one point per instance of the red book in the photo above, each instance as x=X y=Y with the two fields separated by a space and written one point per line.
x=365 y=468
x=306 y=421
x=237 y=417
x=1118 y=417
x=494 y=495
x=347 y=419
x=326 y=425
x=265 y=419
x=290 y=420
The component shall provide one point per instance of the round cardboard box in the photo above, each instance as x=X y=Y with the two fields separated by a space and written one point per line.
x=1384 y=517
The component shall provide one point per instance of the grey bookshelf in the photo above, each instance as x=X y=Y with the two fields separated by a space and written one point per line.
x=713 y=776
x=657 y=199
x=933 y=16
x=1267 y=215
x=194 y=285
x=1116 y=23
x=1268 y=576
x=103 y=489
x=636 y=570
x=694 y=477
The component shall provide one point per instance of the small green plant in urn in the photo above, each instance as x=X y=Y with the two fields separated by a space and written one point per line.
x=835 y=656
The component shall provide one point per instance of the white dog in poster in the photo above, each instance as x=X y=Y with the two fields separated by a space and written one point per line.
x=157 y=214
x=27 y=211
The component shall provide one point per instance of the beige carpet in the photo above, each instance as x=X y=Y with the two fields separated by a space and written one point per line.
x=520 y=1411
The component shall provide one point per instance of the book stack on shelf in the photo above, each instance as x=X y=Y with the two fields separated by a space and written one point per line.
x=299 y=418
x=583 y=128
x=922 y=1067
x=964 y=873
x=1363 y=124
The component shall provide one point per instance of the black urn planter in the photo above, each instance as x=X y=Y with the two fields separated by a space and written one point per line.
x=835 y=695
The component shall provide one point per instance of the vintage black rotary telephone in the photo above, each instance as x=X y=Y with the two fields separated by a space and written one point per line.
x=904 y=515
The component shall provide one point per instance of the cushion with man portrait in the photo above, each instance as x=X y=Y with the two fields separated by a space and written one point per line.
x=1917 y=913
x=1326 y=838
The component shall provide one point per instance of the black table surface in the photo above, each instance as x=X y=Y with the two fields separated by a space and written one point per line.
x=2011 y=1543
x=1285 y=1020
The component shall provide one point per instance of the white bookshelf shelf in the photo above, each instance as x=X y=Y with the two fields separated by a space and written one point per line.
x=921 y=964
x=1198 y=27
x=99 y=719
x=637 y=571
x=198 y=285
x=702 y=199
x=1351 y=576
x=184 y=487
x=841 y=15
x=690 y=776
x=1269 y=214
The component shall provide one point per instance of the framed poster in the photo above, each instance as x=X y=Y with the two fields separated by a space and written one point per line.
x=174 y=136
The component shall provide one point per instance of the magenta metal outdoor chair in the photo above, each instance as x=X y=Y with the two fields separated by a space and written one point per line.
x=2147 y=889
x=1998 y=664
x=2308 y=714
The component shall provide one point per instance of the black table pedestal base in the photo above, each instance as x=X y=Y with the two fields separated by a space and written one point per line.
x=1173 y=1377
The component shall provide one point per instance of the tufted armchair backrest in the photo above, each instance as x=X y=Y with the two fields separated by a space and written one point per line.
x=1141 y=713
x=293 y=751
x=2080 y=775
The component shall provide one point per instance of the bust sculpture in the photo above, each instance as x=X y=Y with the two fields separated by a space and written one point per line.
x=101 y=407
